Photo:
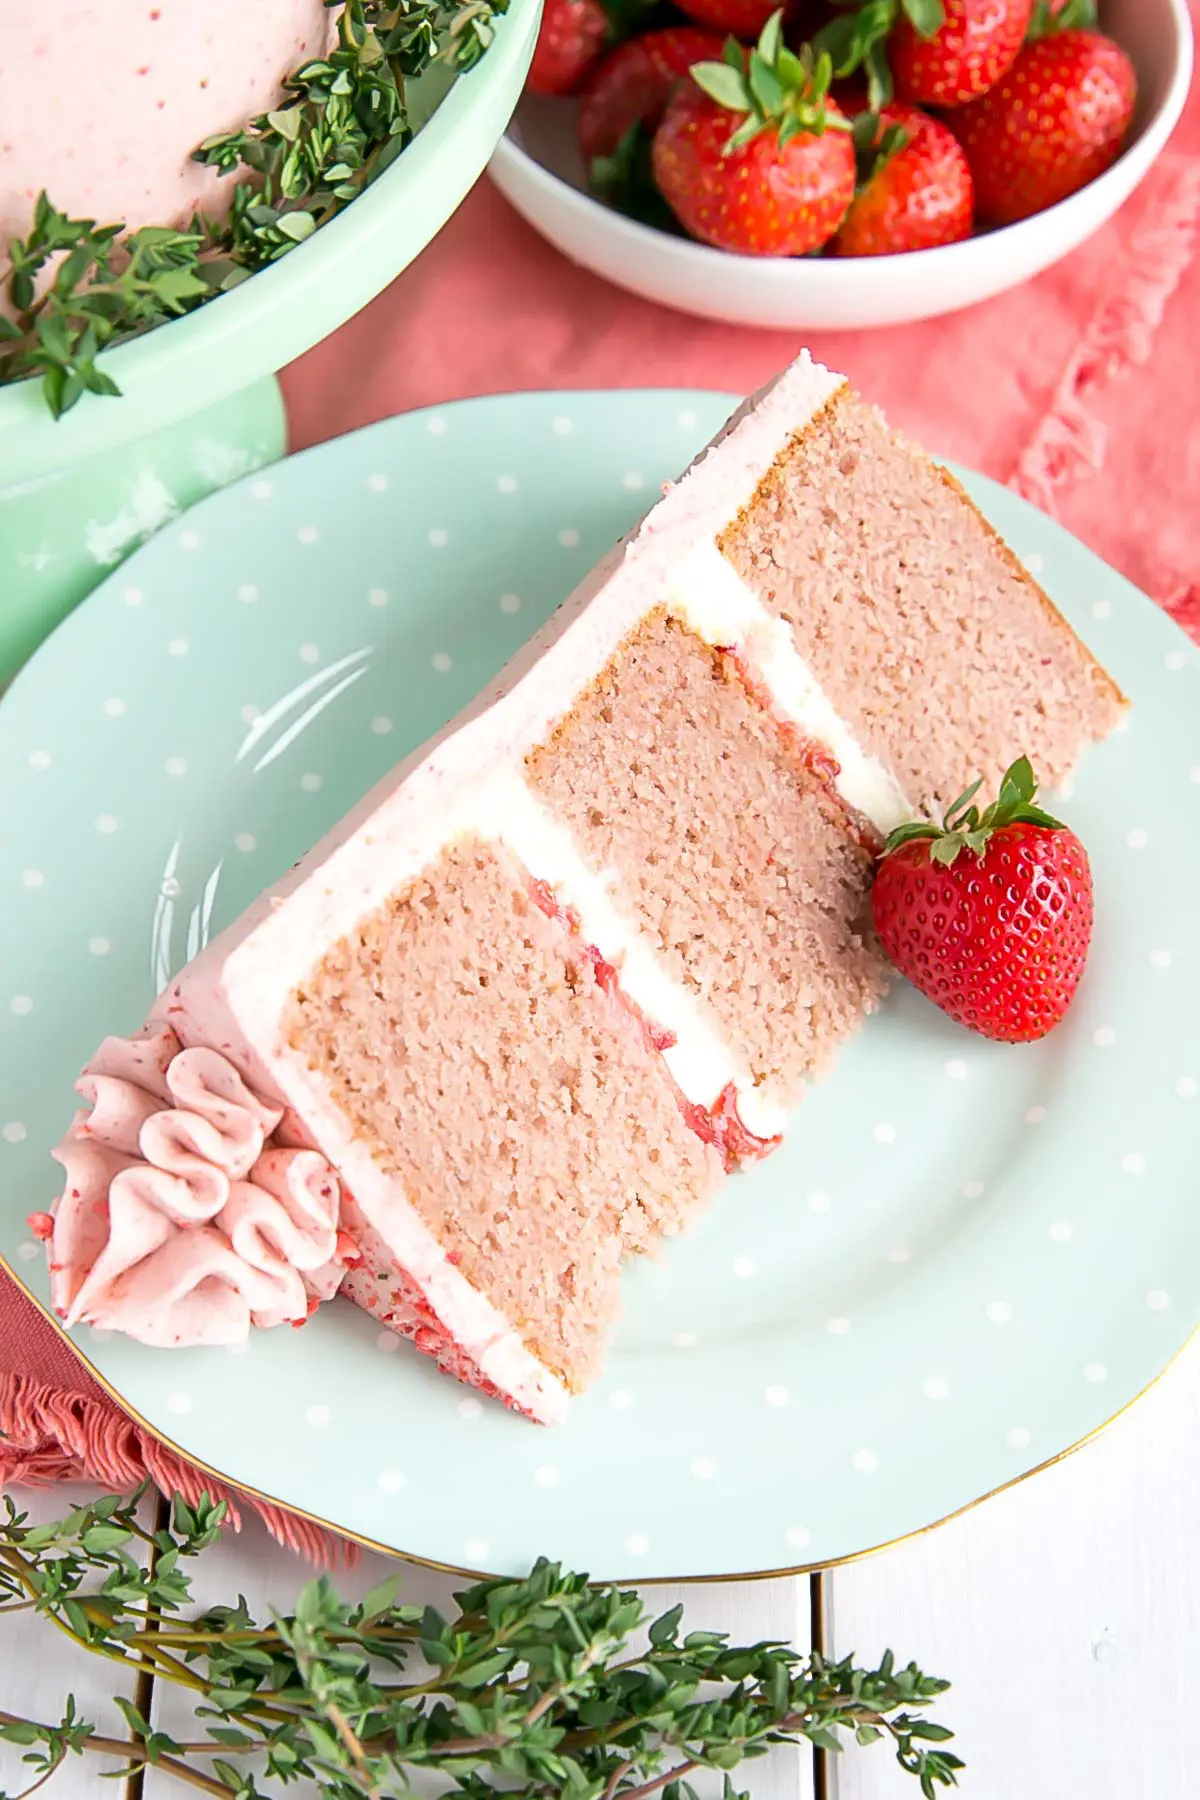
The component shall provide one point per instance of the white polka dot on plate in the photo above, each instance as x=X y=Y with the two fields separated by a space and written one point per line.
x=510 y=603
x=1133 y=1163
x=99 y=946
x=1158 y=1300
x=837 y=1327
x=1138 y=838
x=249 y=714
x=957 y=1069
x=1160 y=959
x=1101 y=610
x=308 y=534
x=817 y=1202
x=776 y=1394
x=106 y=824
x=310 y=783
x=883 y=1133
x=1035 y=1115
x=476 y=1551
x=547 y=1475
x=309 y=653
x=28 y=1251
x=133 y=596
x=245 y=841
x=685 y=1340
x=998 y=1312
x=562 y=426
x=703 y=1468
x=1095 y=1372
x=13 y=1132
x=247 y=593
x=381 y=726
x=633 y=479
x=797 y=1537
x=1034 y=563
x=687 y=421
x=389 y=1481
x=743 y=1267
x=470 y=1408
x=1174 y=660
x=242 y=1349
x=39 y=759
x=438 y=538
x=317 y=1415
x=179 y=1403
x=32 y=878
x=568 y=537
x=1187 y=1087
x=637 y=1543
x=1104 y=1037
x=936 y=1387
x=175 y=765
x=21 y=1004
x=189 y=540
x=114 y=708
x=177 y=647
x=387 y=1342
x=1061 y=1232
x=261 y=490
x=865 y=1462
x=898 y=1254
x=377 y=597
x=972 y=1190
x=442 y=661
x=377 y=483
x=436 y=425
x=1018 y=1438
x=620 y=1400
x=506 y=484
x=1194 y=775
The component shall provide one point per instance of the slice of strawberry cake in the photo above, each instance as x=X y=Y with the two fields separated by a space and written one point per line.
x=519 y=1014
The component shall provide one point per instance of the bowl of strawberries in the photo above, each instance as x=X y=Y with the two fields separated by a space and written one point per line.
x=838 y=163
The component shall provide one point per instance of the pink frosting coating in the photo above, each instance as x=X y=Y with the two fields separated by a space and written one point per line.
x=182 y=1222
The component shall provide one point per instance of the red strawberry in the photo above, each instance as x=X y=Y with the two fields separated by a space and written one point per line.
x=989 y=916
x=752 y=156
x=1056 y=121
x=572 y=36
x=918 y=194
x=964 y=55
x=743 y=18
x=634 y=82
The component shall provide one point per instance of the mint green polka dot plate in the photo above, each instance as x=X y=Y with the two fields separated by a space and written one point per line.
x=966 y=1259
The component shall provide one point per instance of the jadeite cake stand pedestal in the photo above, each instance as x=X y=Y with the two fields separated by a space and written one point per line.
x=199 y=402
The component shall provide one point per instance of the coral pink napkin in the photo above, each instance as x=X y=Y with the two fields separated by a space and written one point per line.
x=1081 y=390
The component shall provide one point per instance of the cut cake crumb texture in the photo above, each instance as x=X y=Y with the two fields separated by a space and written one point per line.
x=467 y=1037
x=921 y=625
x=579 y=954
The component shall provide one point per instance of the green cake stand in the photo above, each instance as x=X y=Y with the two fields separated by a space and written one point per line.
x=199 y=402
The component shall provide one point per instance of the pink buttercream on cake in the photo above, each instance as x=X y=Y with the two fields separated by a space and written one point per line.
x=184 y=1220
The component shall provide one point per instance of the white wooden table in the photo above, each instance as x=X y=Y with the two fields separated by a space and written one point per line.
x=1070 y=1603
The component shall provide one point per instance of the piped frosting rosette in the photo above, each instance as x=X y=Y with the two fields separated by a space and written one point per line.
x=185 y=1219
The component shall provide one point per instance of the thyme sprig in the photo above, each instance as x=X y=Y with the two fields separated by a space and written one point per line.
x=535 y=1688
x=75 y=286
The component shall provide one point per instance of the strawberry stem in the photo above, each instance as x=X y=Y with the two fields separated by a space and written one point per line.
x=964 y=827
x=773 y=86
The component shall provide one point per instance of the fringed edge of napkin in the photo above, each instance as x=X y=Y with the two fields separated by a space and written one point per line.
x=48 y=1435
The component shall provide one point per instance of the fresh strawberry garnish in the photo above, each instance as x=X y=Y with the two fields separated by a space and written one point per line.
x=742 y=18
x=1056 y=121
x=933 y=52
x=989 y=915
x=916 y=190
x=572 y=36
x=752 y=155
x=634 y=82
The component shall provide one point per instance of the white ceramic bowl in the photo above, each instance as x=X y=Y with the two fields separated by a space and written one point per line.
x=537 y=166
